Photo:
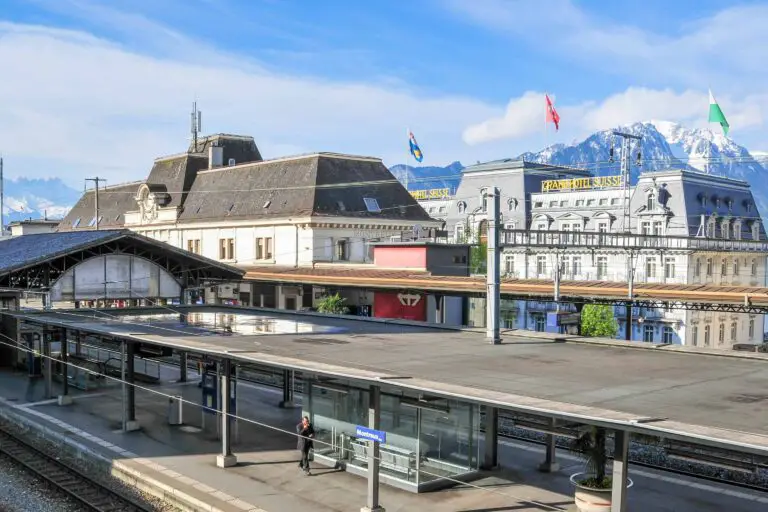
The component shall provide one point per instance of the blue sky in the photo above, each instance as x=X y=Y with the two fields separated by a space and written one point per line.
x=106 y=86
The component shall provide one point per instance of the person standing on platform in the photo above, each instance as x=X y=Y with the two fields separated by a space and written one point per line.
x=306 y=434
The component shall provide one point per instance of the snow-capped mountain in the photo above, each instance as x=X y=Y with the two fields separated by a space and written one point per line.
x=428 y=177
x=37 y=198
x=663 y=145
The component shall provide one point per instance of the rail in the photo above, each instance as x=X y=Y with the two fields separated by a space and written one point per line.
x=89 y=493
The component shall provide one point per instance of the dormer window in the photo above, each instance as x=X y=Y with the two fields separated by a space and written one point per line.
x=650 y=203
x=729 y=203
x=512 y=204
x=704 y=201
x=718 y=203
x=749 y=207
x=737 y=229
x=756 y=230
x=461 y=206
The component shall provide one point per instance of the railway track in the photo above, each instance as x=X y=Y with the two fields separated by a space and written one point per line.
x=71 y=481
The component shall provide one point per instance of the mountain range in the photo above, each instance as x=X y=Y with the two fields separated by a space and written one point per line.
x=663 y=145
x=37 y=198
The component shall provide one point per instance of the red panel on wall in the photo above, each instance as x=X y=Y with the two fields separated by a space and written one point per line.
x=400 y=257
x=406 y=306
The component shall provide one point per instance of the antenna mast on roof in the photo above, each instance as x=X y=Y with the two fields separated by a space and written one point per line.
x=196 y=124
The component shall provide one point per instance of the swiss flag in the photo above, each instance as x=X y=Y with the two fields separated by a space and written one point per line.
x=552 y=115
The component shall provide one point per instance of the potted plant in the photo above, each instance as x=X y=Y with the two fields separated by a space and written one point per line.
x=593 y=486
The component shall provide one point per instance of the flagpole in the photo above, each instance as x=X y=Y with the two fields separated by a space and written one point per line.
x=407 y=156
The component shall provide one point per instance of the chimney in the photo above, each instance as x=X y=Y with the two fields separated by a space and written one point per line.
x=215 y=157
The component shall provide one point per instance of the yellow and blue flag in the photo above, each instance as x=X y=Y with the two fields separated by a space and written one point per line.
x=415 y=149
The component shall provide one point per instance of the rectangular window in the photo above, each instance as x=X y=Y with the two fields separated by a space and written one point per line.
x=734 y=331
x=602 y=267
x=736 y=266
x=552 y=204
x=724 y=268
x=590 y=202
x=538 y=204
x=697 y=268
x=709 y=267
x=509 y=265
x=565 y=227
x=540 y=323
x=264 y=248
x=615 y=201
x=541 y=265
x=669 y=268
x=648 y=333
x=579 y=202
x=695 y=335
x=751 y=328
x=657 y=227
x=604 y=201
x=576 y=268
x=645 y=228
x=371 y=204
x=342 y=250
x=193 y=246
x=460 y=233
x=754 y=267
x=667 y=334
x=650 y=267
x=563 y=204
x=226 y=248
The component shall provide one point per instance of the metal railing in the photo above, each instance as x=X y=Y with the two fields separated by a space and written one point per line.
x=594 y=239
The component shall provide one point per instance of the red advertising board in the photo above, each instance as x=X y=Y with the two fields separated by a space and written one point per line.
x=406 y=306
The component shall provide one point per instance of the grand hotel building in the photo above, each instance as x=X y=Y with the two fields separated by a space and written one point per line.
x=670 y=206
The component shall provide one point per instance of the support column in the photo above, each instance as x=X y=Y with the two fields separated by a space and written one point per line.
x=64 y=397
x=47 y=364
x=225 y=459
x=628 y=322
x=288 y=380
x=78 y=343
x=493 y=281
x=550 y=464
x=491 y=457
x=620 y=471
x=374 y=454
x=129 y=391
x=183 y=361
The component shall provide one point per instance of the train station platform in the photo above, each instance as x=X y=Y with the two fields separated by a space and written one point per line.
x=181 y=458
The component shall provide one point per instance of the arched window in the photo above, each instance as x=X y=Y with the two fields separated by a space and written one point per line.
x=695 y=335
x=697 y=268
x=706 y=335
x=651 y=201
x=737 y=229
x=484 y=199
x=733 y=332
x=462 y=206
x=725 y=229
x=721 y=335
x=512 y=204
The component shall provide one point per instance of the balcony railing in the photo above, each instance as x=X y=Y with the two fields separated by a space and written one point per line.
x=592 y=239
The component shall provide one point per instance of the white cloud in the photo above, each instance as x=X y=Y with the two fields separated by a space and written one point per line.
x=524 y=116
x=87 y=105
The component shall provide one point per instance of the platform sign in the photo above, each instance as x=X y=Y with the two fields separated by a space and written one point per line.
x=370 y=434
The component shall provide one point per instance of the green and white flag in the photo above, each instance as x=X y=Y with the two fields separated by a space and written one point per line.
x=716 y=115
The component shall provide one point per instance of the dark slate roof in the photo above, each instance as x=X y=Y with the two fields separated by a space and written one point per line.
x=240 y=147
x=29 y=250
x=323 y=184
x=22 y=251
x=113 y=203
x=174 y=176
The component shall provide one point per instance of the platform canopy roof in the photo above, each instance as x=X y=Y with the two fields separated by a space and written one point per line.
x=34 y=262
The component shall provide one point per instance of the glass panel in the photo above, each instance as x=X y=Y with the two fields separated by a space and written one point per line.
x=448 y=441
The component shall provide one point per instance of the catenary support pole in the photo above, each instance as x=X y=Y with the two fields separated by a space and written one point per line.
x=493 y=287
x=129 y=392
x=226 y=459
x=620 y=471
x=491 y=456
x=64 y=397
x=374 y=422
x=47 y=364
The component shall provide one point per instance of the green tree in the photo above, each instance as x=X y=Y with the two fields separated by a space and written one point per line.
x=598 y=320
x=478 y=253
x=333 y=304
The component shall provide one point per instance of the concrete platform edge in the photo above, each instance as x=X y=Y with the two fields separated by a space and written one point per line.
x=122 y=470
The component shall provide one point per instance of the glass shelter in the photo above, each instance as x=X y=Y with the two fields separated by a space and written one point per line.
x=428 y=438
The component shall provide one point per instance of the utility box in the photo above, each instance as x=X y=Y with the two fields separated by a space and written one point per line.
x=175 y=404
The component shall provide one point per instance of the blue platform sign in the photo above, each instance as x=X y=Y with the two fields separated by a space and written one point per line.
x=370 y=434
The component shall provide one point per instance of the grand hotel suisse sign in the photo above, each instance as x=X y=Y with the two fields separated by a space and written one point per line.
x=433 y=193
x=581 y=183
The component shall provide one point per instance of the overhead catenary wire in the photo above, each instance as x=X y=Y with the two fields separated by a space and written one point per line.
x=275 y=428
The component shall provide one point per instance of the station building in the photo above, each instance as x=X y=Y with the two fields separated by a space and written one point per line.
x=664 y=208
x=222 y=200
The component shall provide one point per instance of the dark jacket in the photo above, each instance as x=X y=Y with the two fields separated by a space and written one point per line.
x=304 y=444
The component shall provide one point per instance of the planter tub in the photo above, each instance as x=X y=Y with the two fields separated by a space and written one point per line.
x=592 y=500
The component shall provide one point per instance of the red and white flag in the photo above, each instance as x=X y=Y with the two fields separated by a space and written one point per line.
x=552 y=115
